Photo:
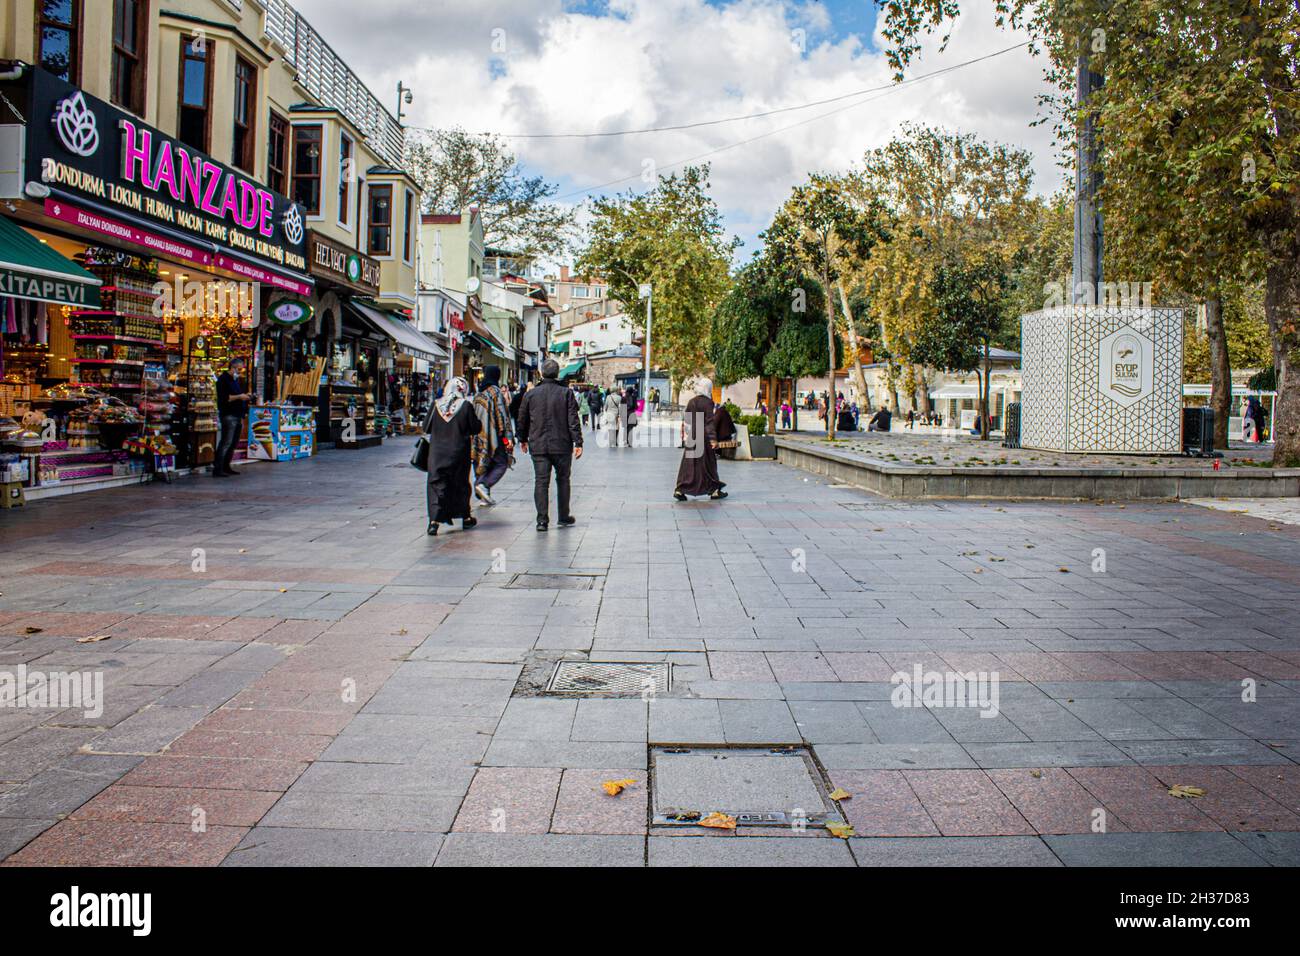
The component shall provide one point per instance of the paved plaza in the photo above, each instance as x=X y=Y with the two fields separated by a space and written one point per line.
x=293 y=673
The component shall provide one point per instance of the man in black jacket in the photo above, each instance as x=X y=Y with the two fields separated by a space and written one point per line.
x=232 y=407
x=549 y=430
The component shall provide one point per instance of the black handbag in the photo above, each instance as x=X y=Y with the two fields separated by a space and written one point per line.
x=420 y=457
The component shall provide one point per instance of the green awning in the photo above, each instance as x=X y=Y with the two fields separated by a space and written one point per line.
x=30 y=269
x=559 y=348
x=486 y=343
x=573 y=368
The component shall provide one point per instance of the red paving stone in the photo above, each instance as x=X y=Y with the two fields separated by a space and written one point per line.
x=64 y=623
x=1052 y=802
x=241 y=808
x=583 y=806
x=970 y=662
x=882 y=803
x=966 y=803
x=1037 y=667
x=275 y=721
x=1263 y=665
x=190 y=627
x=1137 y=799
x=242 y=629
x=1231 y=802
x=1092 y=666
x=119 y=843
x=739 y=665
x=1282 y=783
x=276 y=746
x=509 y=800
x=294 y=632
x=861 y=666
x=221 y=773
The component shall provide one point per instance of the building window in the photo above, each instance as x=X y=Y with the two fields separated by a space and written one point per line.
x=347 y=173
x=408 y=228
x=381 y=221
x=277 y=153
x=580 y=292
x=306 y=167
x=241 y=152
x=58 y=38
x=196 y=94
x=130 y=39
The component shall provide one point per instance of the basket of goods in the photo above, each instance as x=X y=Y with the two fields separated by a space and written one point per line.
x=116 y=422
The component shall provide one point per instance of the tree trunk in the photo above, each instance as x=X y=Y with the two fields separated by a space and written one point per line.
x=1220 y=370
x=1282 y=306
x=985 y=381
x=859 y=378
x=830 y=361
x=926 y=406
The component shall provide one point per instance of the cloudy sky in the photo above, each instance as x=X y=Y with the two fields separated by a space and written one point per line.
x=551 y=66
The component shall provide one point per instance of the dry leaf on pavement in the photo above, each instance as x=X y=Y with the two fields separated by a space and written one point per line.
x=1182 y=791
x=841 y=830
x=93 y=639
x=839 y=793
x=719 y=821
x=615 y=787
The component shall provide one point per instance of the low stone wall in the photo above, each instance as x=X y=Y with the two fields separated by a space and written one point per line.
x=926 y=481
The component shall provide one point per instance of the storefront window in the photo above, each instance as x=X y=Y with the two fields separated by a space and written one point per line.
x=277 y=153
x=130 y=25
x=59 y=38
x=245 y=114
x=307 y=167
x=381 y=220
x=408 y=228
x=196 y=94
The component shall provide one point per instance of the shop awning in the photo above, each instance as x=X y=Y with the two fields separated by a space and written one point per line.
x=409 y=340
x=573 y=368
x=559 y=348
x=484 y=342
x=30 y=269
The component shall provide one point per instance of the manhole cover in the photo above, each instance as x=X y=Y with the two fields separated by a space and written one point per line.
x=587 y=677
x=759 y=786
x=561 y=582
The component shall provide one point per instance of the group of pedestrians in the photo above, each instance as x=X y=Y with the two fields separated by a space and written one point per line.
x=617 y=411
x=471 y=441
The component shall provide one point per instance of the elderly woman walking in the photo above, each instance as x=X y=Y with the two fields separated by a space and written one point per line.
x=451 y=425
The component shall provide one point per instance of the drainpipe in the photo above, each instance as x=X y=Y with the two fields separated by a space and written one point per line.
x=15 y=74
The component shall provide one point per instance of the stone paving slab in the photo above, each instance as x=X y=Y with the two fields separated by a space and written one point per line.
x=373 y=711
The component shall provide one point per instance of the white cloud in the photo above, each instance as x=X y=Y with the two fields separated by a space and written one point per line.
x=665 y=62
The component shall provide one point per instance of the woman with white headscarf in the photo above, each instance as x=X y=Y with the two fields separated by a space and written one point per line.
x=451 y=426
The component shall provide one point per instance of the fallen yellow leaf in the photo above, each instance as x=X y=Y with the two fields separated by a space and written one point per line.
x=1182 y=791
x=1036 y=774
x=93 y=639
x=841 y=830
x=719 y=821
x=615 y=787
x=839 y=793
x=33 y=630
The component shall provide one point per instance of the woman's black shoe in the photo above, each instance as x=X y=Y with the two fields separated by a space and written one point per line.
x=679 y=496
x=717 y=495
x=432 y=530
x=542 y=525
x=467 y=523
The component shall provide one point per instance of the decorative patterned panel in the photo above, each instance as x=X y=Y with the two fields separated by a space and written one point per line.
x=1066 y=406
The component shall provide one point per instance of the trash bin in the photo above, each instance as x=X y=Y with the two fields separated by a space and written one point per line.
x=1011 y=434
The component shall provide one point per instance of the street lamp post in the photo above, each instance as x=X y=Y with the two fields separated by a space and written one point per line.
x=646 y=291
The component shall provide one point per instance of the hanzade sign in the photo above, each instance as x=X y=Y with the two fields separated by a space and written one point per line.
x=87 y=147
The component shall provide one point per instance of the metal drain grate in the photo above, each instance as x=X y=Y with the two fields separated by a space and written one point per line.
x=560 y=582
x=759 y=786
x=589 y=677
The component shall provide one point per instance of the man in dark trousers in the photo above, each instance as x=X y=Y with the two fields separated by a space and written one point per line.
x=232 y=406
x=549 y=430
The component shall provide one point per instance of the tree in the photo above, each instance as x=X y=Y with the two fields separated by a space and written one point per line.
x=771 y=323
x=970 y=302
x=673 y=238
x=823 y=230
x=457 y=170
x=954 y=198
x=1200 y=99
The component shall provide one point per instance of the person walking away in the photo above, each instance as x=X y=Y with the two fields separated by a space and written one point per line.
x=451 y=426
x=652 y=406
x=493 y=446
x=514 y=402
x=584 y=411
x=591 y=402
x=632 y=409
x=232 y=407
x=613 y=416
x=704 y=424
x=550 y=432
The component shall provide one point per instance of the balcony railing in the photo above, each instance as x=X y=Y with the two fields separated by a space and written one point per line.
x=326 y=77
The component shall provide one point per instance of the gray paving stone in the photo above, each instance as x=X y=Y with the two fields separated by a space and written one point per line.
x=894 y=756
x=313 y=809
x=575 y=754
x=966 y=852
x=1207 y=849
x=549 y=849
x=748 y=851
x=611 y=720
x=1278 y=849
x=297 y=846
x=757 y=722
x=685 y=721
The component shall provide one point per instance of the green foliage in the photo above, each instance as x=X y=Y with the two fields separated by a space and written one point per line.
x=756 y=424
x=673 y=238
x=969 y=301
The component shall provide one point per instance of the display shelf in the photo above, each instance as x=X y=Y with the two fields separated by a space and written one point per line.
x=117 y=338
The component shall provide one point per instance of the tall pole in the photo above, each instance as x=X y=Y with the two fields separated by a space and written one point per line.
x=1087 y=275
x=649 y=323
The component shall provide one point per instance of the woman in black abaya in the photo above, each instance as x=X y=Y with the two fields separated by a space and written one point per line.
x=450 y=426
x=698 y=474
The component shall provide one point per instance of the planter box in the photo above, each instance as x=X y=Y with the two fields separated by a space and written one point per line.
x=762 y=446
